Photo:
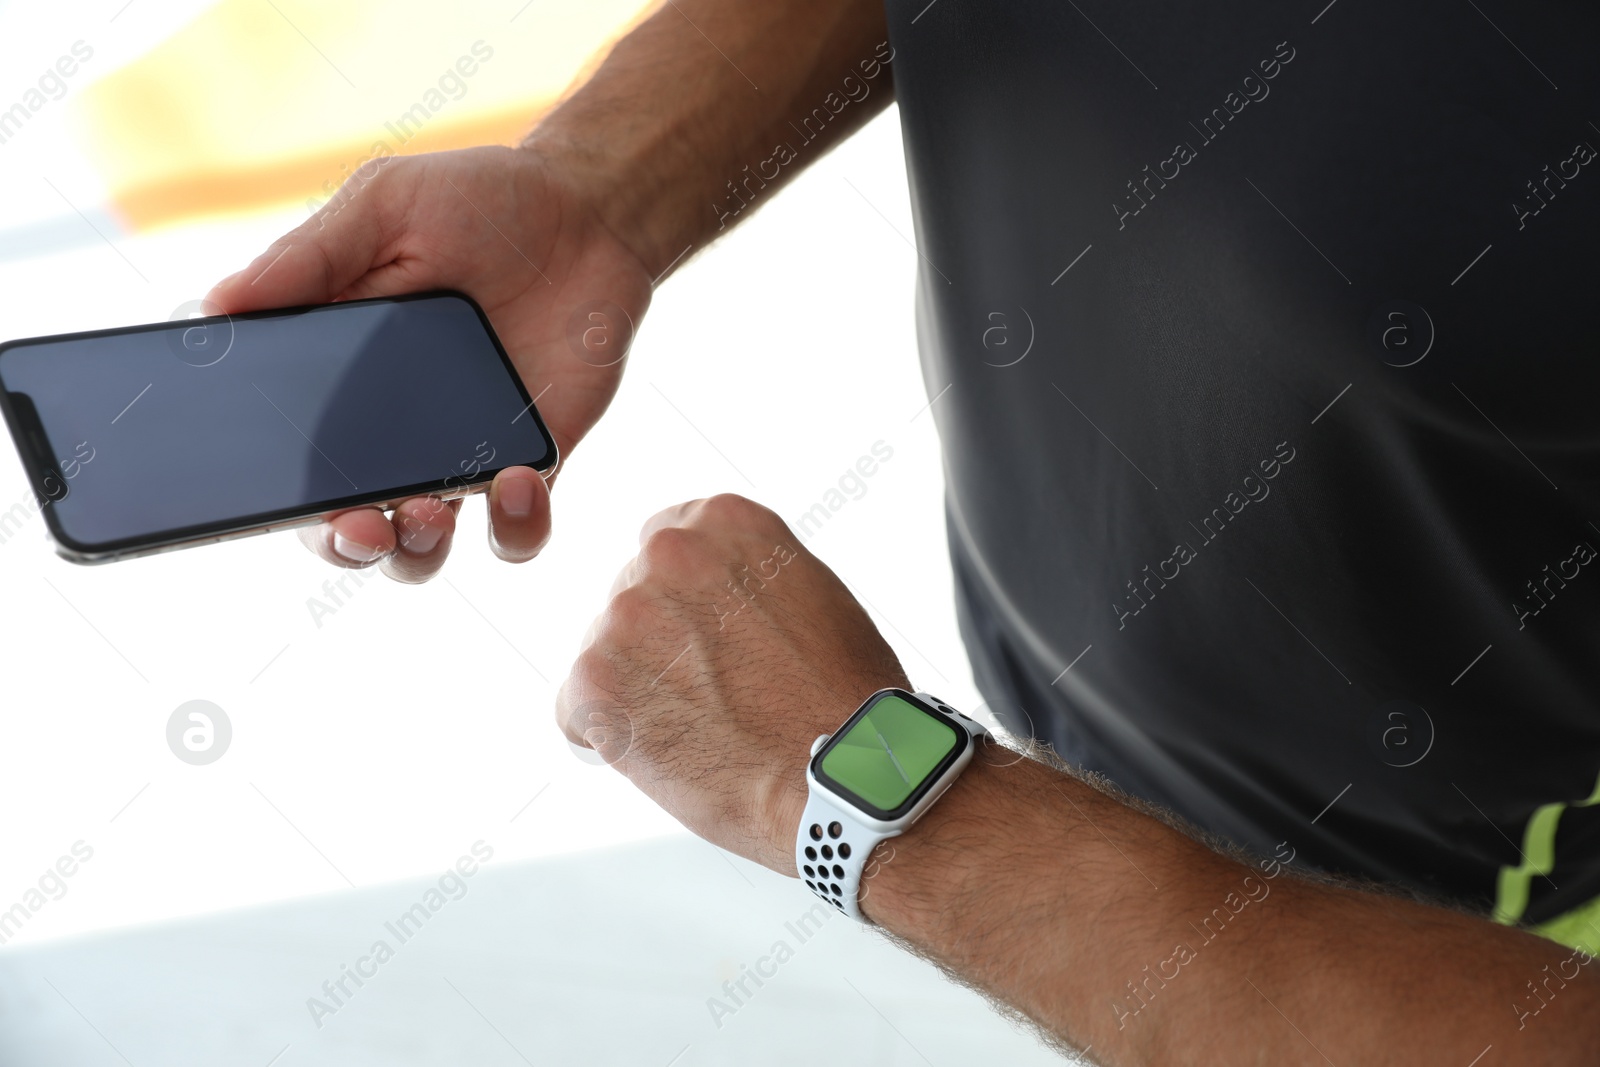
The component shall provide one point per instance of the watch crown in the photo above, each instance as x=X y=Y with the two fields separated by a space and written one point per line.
x=816 y=746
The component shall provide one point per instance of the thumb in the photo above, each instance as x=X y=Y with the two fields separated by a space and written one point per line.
x=311 y=264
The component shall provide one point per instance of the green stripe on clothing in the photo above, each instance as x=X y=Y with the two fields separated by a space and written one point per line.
x=1538 y=858
x=1578 y=928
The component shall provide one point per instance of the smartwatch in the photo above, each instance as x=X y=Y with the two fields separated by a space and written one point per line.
x=870 y=780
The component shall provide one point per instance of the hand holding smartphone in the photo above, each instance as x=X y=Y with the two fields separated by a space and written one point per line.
x=170 y=435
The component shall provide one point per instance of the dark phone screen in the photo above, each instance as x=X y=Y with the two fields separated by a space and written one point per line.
x=205 y=425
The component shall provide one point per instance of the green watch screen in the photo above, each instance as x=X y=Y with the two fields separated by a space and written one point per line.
x=889 y=752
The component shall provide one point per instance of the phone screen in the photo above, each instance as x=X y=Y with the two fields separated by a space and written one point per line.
x=163 y=433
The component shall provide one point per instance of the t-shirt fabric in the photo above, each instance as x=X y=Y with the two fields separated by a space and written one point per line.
x=1263 y=347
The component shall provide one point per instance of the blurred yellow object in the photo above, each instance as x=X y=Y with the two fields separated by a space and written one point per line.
x=257 y=103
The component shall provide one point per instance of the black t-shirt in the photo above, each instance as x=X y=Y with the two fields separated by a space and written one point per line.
x=1263 y=348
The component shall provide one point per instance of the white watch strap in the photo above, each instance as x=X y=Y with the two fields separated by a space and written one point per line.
x=831 y=853
x=833 y=847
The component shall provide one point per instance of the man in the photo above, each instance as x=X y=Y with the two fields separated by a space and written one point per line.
x=1281 y=525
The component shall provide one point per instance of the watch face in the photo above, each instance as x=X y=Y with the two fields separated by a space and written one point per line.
x=888 y=754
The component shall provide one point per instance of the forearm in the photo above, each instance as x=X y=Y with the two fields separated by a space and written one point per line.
x=1110 y=929
x=709 y=106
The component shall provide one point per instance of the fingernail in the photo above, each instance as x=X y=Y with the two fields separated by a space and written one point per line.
x=516 y=497
x=354 y=551
x=424 y=539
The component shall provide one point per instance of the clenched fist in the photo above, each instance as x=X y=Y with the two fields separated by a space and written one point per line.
x=725 y=649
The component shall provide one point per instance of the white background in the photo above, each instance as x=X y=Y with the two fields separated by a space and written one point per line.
x=417 y=720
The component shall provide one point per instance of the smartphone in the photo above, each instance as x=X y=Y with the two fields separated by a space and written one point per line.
x=175 y=434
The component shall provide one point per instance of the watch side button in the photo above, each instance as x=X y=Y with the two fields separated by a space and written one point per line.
x=816 y=746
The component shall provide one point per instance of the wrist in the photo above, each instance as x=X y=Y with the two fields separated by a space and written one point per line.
x=592 y=181
x=943 y=869
x=601 y=178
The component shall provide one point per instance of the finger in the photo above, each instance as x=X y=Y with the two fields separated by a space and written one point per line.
x=424 y=527
x=314 y=262
x=572 y=700
x=519 y=514
x=676 y=515
x=625 y=577
x=355 y=538
x=596 y=624
x=591 y=717
x=391 y=279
